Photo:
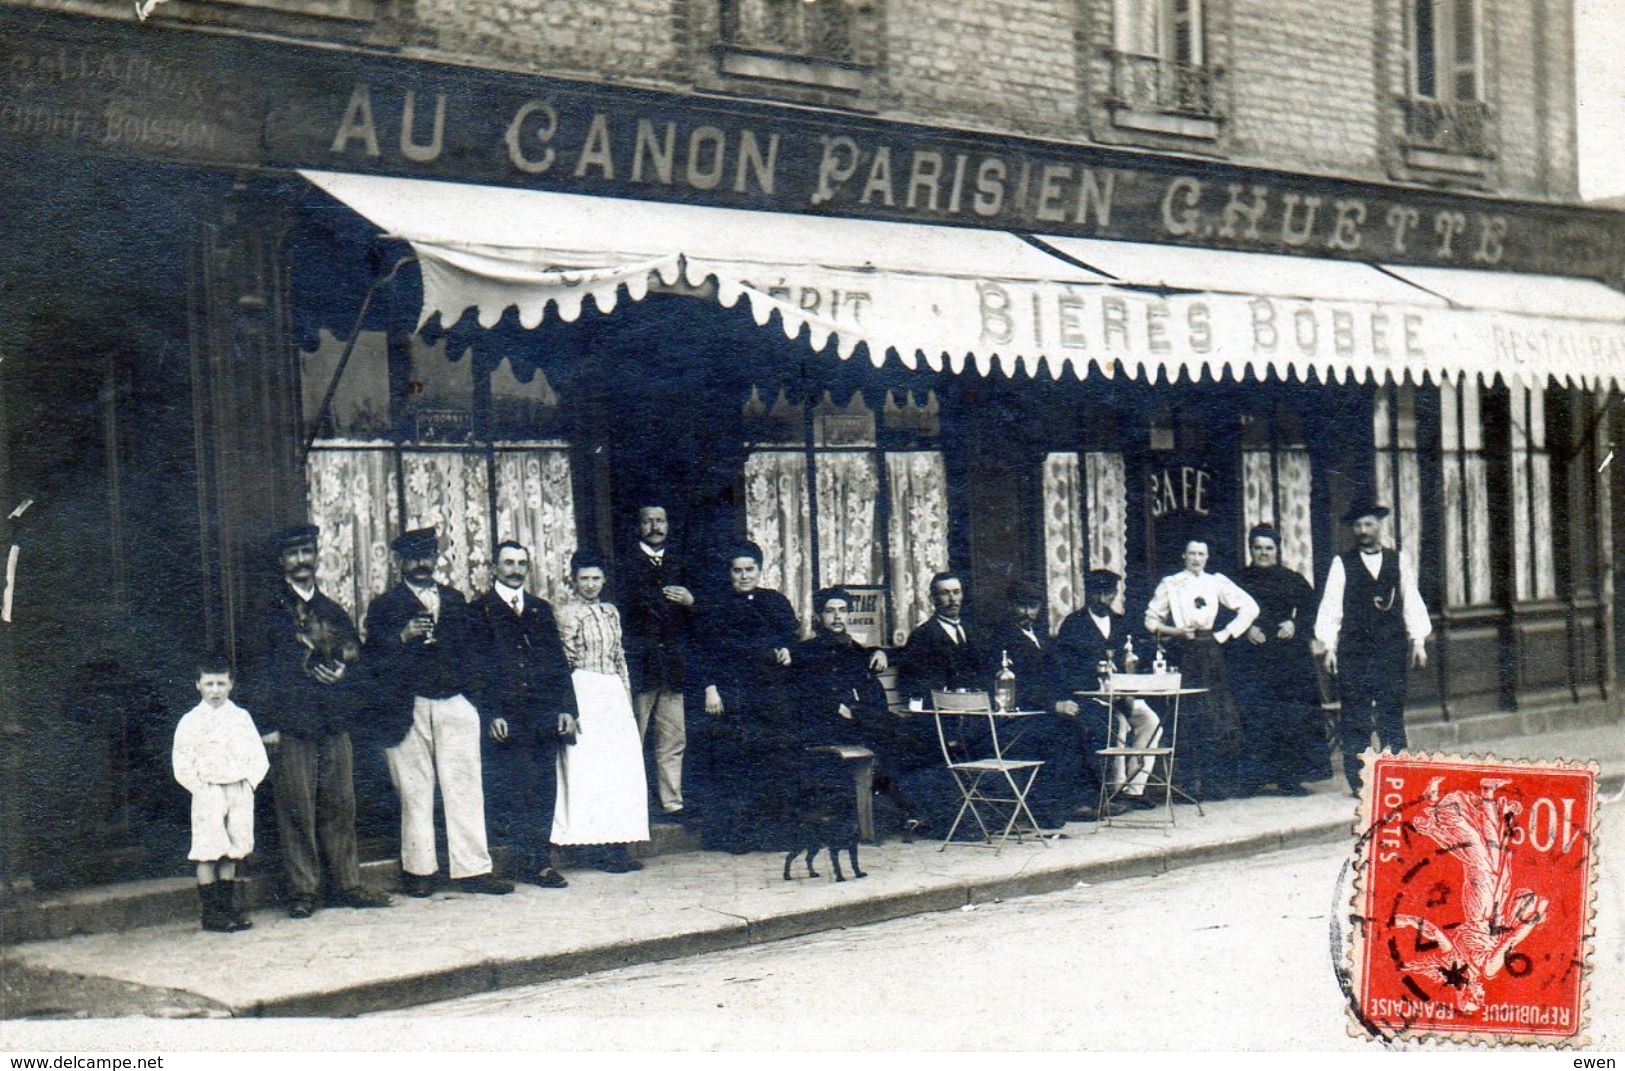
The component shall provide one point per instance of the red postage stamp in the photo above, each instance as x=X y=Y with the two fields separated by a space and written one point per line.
x=1472 y=905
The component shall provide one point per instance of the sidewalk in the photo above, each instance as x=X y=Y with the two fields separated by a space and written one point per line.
x=344 y=962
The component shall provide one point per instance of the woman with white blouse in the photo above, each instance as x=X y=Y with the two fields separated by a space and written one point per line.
x=1185 y=610
x=602 y=799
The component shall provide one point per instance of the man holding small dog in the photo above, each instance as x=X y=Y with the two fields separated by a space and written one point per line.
x=306 y=665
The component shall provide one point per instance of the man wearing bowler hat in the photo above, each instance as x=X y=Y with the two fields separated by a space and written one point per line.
x=1371 y=614
x=305 y=666
x=426 y=644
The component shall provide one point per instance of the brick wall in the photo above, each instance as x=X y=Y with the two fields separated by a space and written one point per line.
x=1004 y=64
x=631 y=39
x=1302 y=81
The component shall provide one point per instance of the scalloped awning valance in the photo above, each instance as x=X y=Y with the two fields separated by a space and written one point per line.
x=958 y=296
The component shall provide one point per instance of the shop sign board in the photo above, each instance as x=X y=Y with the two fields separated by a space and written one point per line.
x=101 y=85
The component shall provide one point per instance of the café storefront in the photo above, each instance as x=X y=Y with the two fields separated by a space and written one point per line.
x=271 y=283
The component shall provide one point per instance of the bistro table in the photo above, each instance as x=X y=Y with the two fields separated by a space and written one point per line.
x=1129 y=687
x=1011 y=779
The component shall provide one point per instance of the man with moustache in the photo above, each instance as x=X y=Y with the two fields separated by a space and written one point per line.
x=842 y=701
x=306 y=667
x=940 y=653
x=658 y=602
x=531 y=705
x=1088 y=637
x=426 y=644
x=1371 y=621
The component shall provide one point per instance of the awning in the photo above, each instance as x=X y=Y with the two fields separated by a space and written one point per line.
x=951 y=295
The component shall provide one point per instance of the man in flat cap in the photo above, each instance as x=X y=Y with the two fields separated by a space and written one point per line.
x=305 y=668
x=426 y=647
x=1371 y=614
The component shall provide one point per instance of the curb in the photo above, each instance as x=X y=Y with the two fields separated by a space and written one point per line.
x=472 y=979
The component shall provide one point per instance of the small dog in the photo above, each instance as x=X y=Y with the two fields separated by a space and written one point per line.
x=323 y=643
x=828 y=820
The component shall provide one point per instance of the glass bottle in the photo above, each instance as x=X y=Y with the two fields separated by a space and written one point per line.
x=1004 y=685
x=1131 y=661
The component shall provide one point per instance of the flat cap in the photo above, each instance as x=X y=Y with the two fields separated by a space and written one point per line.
x=417 y=543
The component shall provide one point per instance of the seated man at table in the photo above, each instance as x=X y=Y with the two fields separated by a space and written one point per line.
x=1068 y=780
x=1088 y=637
x=843 y=701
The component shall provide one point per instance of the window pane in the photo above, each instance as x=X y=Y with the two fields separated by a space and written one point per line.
x=776 y=519
x=1423 y=48
x=360 y=408
x=353 y=496
x=917 y=532
x=448 y=490
x=536 y=506
x=1107 y=481
x=1455 y=564
x=1294 y=496
x=848 y=551
x=1523 y=553
x=1540 y=490
x=1478 y=529
x=1064 y=538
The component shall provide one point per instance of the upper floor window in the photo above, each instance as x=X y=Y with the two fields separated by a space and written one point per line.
x=1446 y=112
x=1161 y=68
x=813 y=43
x=816 y=29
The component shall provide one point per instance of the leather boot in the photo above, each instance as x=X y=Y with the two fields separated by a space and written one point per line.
x=236 y=895
x=213 y=915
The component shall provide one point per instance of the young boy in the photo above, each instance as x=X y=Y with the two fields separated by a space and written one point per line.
x=219 y=758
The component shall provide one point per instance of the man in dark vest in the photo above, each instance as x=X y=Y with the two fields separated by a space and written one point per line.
x=1370 y=614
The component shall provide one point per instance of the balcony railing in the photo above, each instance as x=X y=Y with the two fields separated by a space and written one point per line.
x=1153 y=84
x=808 y=29
x=1460 y=128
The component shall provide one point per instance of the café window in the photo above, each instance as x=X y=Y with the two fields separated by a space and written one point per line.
x=1277 y=485
x=424 y=440
x=817 y=476
x=1085 y=525
x=1465 y=486
x=1161 y=70
x=1534 y=574
x=1446 y=112
x=1398 y=470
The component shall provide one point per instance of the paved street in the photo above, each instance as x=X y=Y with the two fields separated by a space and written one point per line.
x=1232 y=955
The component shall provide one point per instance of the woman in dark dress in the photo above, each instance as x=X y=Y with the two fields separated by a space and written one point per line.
x=745 y=640
x=1274 y=674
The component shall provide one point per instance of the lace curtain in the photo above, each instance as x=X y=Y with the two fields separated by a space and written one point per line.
x=918 y=534
x=1399 y=477
x=1064 y=538
x=1085 y=506
x=776 y=518
x=353 y=495
x=536 y=507
x=449 y=490
x=848 y=486
x=354 y=498
x=1280 y=498
x=1107 y=480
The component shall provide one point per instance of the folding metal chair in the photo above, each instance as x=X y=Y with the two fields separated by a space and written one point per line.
x=1129 y=687
x=969 y=774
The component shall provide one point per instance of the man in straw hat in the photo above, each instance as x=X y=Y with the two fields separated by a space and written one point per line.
x=1371 y=614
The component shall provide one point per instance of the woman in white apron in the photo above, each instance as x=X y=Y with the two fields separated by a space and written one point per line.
x=603 y=796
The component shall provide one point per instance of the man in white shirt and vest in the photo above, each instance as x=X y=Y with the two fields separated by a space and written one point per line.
x=1371 y=621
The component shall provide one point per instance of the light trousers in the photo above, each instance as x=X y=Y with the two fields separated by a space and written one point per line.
x=443 y=744
x=671 y=740
x=1139 y=728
